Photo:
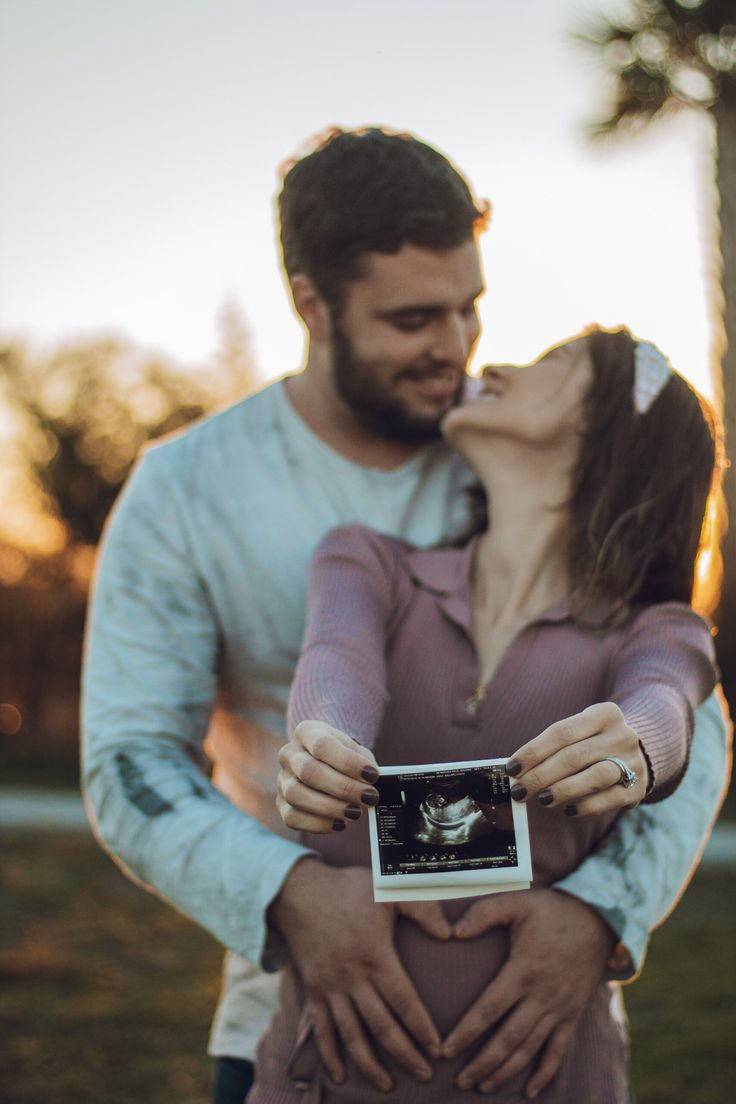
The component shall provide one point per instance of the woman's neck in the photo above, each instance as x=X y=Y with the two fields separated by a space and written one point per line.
x=521 y=567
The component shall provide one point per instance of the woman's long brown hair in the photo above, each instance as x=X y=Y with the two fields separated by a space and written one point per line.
x=641 y=485
x=643 y=489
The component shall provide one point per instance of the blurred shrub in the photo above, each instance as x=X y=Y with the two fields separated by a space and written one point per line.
x=73 y=423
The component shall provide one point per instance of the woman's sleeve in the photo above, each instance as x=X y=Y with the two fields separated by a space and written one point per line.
x=353 y=594
x=663 y=671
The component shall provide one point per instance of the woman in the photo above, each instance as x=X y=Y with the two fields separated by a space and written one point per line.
x=558 y=636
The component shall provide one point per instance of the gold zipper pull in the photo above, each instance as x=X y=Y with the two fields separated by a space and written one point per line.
x=475 y=700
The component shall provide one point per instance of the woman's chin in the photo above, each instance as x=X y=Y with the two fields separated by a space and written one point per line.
x=449 y=425
x=466 y=418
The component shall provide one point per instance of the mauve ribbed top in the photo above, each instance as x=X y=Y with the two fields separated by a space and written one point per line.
x=389 y=658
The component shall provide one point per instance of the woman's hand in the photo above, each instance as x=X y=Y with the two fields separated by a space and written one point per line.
x=569 y=764
x=322 y=780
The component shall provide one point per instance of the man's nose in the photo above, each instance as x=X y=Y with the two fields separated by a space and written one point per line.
x=454 y=339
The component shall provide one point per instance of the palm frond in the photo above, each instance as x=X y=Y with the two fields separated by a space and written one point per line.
x=629 y=118
x=598 y=32
x=665 y=56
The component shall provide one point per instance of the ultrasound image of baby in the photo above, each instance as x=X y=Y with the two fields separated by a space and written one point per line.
x=449 y=816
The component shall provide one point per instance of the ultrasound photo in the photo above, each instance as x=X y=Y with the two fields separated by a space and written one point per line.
x=449 y=824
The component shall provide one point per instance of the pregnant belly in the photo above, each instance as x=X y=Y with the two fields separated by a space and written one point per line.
x=449 y=975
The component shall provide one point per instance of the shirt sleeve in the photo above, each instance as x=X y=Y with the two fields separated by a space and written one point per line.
x=662 y=672
x=148 y=689
x=640 y=869
x=352 y=597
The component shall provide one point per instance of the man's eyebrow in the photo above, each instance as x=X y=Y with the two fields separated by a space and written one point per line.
x=425 y=308
x=411 y=308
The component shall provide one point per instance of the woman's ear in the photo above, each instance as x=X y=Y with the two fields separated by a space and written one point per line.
x=311 y=307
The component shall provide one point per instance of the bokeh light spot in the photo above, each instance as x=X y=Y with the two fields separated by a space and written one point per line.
x=11 y=719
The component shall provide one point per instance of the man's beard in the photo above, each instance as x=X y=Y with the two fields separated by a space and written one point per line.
x=378 y=413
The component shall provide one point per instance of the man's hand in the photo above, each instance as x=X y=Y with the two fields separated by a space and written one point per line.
x=558 y=951
x=341 y=944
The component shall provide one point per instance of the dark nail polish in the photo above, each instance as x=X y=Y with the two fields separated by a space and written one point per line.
x=518 y=792
x=513 y=767
x=338 y=826
x=546 y=797
x=571 y=810
x=369 y=797
x=352 y=812
x=370 y=774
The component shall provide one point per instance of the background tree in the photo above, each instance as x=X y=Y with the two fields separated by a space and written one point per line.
x=74 y=420
x=83 y=412
x=670 y=55
x=235 y=369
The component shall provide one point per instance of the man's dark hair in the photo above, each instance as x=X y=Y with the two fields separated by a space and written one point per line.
x=369 y=190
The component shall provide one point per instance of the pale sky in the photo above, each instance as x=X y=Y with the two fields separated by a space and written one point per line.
x=140 y=141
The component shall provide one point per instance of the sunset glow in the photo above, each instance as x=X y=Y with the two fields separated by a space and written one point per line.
x=145 y=141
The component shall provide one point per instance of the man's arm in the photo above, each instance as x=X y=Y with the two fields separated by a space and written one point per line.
x=148 y=690
x=640 y=870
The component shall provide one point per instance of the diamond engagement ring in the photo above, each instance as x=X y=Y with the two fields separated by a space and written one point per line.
x=628 y=777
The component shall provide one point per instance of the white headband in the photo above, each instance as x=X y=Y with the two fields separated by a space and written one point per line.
x=651 y=374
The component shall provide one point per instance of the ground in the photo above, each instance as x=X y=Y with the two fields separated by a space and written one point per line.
x=106 y=993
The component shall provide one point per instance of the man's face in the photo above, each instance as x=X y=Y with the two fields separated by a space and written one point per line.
x=403 y=338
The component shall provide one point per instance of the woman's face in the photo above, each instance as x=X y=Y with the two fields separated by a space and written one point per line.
x=538 y=405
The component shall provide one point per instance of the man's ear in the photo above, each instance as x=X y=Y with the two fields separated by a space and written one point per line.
x=311 y=307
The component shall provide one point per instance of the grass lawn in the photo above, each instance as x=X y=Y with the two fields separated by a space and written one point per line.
x=683 y=1008
x=106 y=994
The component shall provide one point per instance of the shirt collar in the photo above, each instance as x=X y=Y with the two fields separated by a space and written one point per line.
x=446 y=572
x=443 y=571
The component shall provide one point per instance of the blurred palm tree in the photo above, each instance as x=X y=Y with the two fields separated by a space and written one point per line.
x=665 y=56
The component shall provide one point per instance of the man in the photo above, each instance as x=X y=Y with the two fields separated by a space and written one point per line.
x=197 y=619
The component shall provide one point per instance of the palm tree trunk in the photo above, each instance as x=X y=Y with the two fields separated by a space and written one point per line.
x=725 y=120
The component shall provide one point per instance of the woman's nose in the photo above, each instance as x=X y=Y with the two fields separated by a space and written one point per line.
x=497 y=373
